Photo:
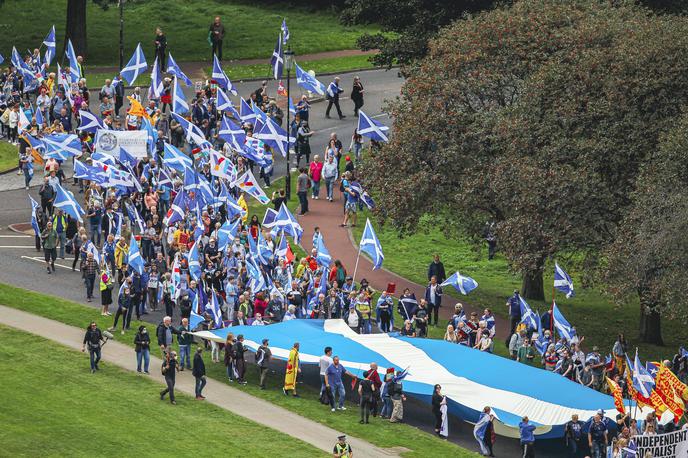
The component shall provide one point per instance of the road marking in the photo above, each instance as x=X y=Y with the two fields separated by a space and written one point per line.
x=16 y=236
x=42 y=261
x=17 y=246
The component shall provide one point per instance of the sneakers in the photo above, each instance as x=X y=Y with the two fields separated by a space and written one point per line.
x=342 y=408
x=284 y=391
x=162 y=395
x=333 y=410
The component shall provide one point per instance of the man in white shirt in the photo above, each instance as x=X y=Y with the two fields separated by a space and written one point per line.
x=325 y=361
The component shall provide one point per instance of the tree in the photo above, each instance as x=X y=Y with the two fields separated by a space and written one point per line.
x=75 y=29
x=536 y=117
x=407 y=24
x=648 y=258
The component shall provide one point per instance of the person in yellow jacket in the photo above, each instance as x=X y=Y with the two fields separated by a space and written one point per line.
x=293 y=370
x=105 y=293
x=242 y=203
x=121 y=252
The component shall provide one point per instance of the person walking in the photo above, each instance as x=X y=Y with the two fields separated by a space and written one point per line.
x=366 y=391
x=90 y=270
x=342 y=449
x=334 y=382
x=105 y=294
x=303 y=142
x=263 y=358
x=94 y=339
x=357 y=95
x=514 y=306
x=184 y=339
x=142 y=345
x=160 y=48
x=198 y=372
x=330 y=173
x=315 y=172
x=164 y=333
x=292 y=371
x=482 y=431
x=398 y=398
x=302 y=184
x=527 y=438
x=169 y=370
x=239 y=362
x=597 y=437
x=49 y=240
x=333 y=91
x=216 y=34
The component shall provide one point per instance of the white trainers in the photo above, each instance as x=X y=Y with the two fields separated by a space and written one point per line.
x=332 y=410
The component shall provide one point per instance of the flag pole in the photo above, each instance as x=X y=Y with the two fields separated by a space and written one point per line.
x=356 y=267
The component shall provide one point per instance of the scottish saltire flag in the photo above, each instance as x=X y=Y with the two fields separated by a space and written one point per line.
x=39 y=118
x=371 y=245
x=174 y=70
x=362 y=194
x=263 y=248
x=65 y=201
x=2 y=59
x=562 y=281
x=222 y=167
x=269 y=217
x=35 y=143
x=232 y=134
x=213 y=308
x=105 y=158
x=643 y=382
x=164 y=179
x=286 y=222
x=232 y=206
x=277 y=60
x=152 y=134
x=136 y=66
x=257 y=282
x=90 y=122
x=226 y=234
x=23 y=123
x=462 y=284
x=134 y=216
x=34 y=220
x=323 y=255
x=179 y=104
x=221 y=78
x=285 y=31
x=562 y=326
x=91 y=248
x=528 y=317
x=223 y=102
x=22 y=67
x=308 y=82
x=246 y=112
x=479 y=431
x=370 y=128
x=95 y=174
x=257 y=155
x=190 y=180
x=195 y=319
x=127 y=160
x=73 y=63
x=134 y=259
x=248 y=184
x=193 y=133
x=540 y=343
x=62 y=146
x=175 y=159
x=274 y=136
x=156 y=86
x=177 y=210
x=49 y=43
x=194 y=262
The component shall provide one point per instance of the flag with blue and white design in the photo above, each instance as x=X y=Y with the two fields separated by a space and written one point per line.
x=221 y=78
x=292 y=108
x=105 y=158
x=232 y=134
x=248 y=184
x=91 y=173
x=222 y=167
x=246 y=112
x=91 y=248
x=528 y=317
x=370 y=128
x=2 y=59
x=90 y=122
x=323 y=255
x=286 y=222
x=179 y=104
x=285 y=31
x=174 y=70
x=134 y=216
x=49 y=43
x=136 y=66
x=213 y=307
x=257 y=282
x=562 y=281
x=22 y=67
x=277 y=60
x=193 y=133
x=134 y=259
x=39 y=118
x=156 y=85
x=195 y=319
x=164 y=179
x=194 y=262
x=62 y=146
x=73 y=62
x=177 y=210
x=643 y=382
x=371 y=245
x=461 y=283
x=223 y=101
x=65 y=201
x=175 y=159
x=560 y=324
x=34 y=220
x=226 y=234
x=308 y=82
x=190 y=180
x=273 y=135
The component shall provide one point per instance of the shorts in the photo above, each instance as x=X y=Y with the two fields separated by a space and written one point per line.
x=351 y=207
x=50 y=254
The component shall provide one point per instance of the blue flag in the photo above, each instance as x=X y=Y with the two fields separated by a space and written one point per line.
x=136 y=66
x=562 y=326
x=156 y=85
x=179 y=104
x=528 y=317
x=370 y=128
x=174 y=70
x=371 y=245
x=65 y=201
x=221 y=78
x=177 y=210
x=643 y=382
x=277 y=60
x=34 y=221
x=462 y=284
x=308 y=82
x=194 y=262
x=323 y=255
x=285 y=31
x=134 y=259
x=89 y=122
x=73 y=62
x=226 y=234
x=175 y=159
x=49 y=43
x=562 y=281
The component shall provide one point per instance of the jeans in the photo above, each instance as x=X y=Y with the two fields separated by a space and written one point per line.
x=386 y=407
x=62 y=236
x=329 y=186
x=303 y=200
x=315 y=190
x=322 y=384
x=337 y=388
x=184 y=355
x=200 y=384
x=27 y=177
x=89 y=279
x=357 y=150
x=598 y=450
x=144 y=355
x=366 y=327
x=95 y=233
x=572 y=445
x=94 y=354
x=170 y=388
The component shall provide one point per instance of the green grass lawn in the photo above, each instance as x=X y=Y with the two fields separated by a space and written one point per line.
x=54 y=406
x=381 y=433
x=252 y=28
x=9 y=156
x=592 y=313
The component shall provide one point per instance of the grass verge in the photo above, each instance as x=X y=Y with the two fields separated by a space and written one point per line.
x=9 y=155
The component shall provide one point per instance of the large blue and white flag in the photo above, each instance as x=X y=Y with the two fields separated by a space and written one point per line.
x=562 y=281
x=308 y=82
x=323 y=255
x=561 y=325
x=134 y=259
x=246 y=112
x=194 y=318
x=277 y=60
x=643 y=382
x=65 y=201
x=90 y=122
x=34 y=220
x=257 y=282
x=105 y=158
x=193 y=133
x=286 y=222
x=179 y=104
x=156 y=85
x=49 y=43
x=528 y=316
x=22 y=67
x=213 y=308
x=62 y=146
x=248 y=184
x=177 y=210
x=232 y=134
x=223 y=102
x=35 y=143
x=273 y=135
x=136 y=66
x=91 y=173
x=73 y=62
x=226 y=233
x=174 y=70
x=371 y=245
x=222 y=167
x=194 y=262
x=370 y=128
x=221 y=78
x=175 y=159
x=285 y=31
x=462 y=284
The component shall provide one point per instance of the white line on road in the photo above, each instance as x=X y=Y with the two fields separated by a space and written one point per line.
x=16 y=236
x=41 y=260
x=17 y=246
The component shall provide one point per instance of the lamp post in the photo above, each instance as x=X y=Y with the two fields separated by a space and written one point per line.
x=121 y=34
x=288 y=59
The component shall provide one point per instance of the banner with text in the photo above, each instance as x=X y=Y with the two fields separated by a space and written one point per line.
x=134 y=142
x=669 y=445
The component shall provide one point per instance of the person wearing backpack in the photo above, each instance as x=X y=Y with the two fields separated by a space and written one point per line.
x=263 y=358
x=169 y=370
x=338 y=274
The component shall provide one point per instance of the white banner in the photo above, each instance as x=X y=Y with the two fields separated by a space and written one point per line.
x=668 y=445
x=134 y=142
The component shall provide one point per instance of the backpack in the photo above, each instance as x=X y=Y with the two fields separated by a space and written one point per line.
x=352 y=319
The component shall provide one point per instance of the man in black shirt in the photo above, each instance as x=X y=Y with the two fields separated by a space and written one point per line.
x=169 y=369
x=198 y=372
x=573 y=433
x=421 y=319
x=366 y=391
x=239 y=362
x=263 y=357
x=436 y=269
x=94 y=339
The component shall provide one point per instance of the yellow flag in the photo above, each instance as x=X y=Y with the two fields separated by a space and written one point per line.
x=136 y=108
x=615 y=391
x=292 y=370
x=242 y=203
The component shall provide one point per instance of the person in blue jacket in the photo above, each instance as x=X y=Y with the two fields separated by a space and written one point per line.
x=526 y=430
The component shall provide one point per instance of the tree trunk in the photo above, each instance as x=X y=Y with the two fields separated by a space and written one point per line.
x=533 y=286
x=650 y=322
x=76 y=26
